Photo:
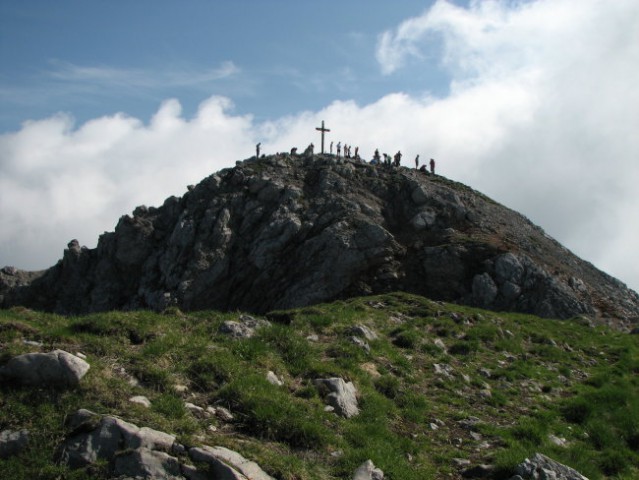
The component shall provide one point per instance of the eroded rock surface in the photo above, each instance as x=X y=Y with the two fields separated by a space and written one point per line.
x=289 y=230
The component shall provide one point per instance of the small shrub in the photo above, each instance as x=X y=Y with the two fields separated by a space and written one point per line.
x=408 y=339
x=387 y=385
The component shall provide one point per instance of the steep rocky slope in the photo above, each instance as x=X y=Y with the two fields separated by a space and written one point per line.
x=292 y=230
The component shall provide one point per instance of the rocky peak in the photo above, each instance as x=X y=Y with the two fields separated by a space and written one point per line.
x=286 y=231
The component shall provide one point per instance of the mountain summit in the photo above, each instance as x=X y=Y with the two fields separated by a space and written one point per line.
x=287 y=231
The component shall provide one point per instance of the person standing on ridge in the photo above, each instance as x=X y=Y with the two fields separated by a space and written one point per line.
x=257 y=150
x=416 y=162
x=432 y=166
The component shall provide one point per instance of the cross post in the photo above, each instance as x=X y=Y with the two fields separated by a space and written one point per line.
x=322 y=129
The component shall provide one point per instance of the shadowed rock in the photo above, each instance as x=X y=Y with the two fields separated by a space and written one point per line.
x=289 y=231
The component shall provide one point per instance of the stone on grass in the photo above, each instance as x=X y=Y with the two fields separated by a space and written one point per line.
x=541 y=467
x=12 y=443
x=340 y=395
x=141 y=400
x=57 y=369
x=227 y=464
x=273 y=379
x=368 y=471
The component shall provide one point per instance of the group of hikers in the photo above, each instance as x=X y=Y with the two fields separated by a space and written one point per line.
x=377 y=159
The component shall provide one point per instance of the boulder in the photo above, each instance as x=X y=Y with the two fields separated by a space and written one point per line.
x=368 y=471
x=13 y=442
x=340 y=395
x=129 y=451
x=58 y=369
x=146 y=463
x=226 y=464
x=541 y=467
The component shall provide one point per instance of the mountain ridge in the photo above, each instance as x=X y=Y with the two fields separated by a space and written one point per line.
x=285 y=231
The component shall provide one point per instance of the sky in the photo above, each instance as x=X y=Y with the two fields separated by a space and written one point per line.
x=105 y=106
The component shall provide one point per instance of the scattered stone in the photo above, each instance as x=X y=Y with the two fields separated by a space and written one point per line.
x=12 y=443
x=33 y=343
x=196 y=410
x=364 y=331
x=340 y=395
x=361 y=343
x=559 y=441
x=273 y=379
x=443 y=369
x=368 y=471
x=313 y=338
x=461 y=462
x=541 y=467
x=178 y=388
x=81 y=355
x=440 y=344
x=245 y=327
x=57 y=369
x=225 y=463
x=141 y=400
x=224 y=414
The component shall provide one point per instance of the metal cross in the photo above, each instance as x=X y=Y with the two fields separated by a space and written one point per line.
x=322 y=129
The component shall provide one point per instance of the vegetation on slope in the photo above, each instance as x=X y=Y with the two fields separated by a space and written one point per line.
x=441 y=384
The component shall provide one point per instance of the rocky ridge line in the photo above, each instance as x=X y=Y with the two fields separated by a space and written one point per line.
x=287 y=231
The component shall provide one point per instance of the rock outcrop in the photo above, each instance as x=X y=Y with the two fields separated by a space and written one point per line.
x=288 y=231
x=57 y=369
x=133 y=452
x=540 y=467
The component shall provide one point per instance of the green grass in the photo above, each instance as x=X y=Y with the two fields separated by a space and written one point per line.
x=545 y=378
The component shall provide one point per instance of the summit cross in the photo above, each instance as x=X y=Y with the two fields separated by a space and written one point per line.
x=322 y=129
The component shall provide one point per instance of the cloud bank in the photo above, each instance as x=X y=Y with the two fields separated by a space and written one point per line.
x=541 y=115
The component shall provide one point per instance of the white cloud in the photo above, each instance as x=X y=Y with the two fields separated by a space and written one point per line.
x=58 y=182
x=143 y=78
x=541 y=116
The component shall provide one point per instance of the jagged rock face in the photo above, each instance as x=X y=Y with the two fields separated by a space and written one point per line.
x=288 y=231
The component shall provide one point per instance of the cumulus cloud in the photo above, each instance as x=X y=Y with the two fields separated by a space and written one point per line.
x=541 y=115
x=549 y=88
x=59 y=181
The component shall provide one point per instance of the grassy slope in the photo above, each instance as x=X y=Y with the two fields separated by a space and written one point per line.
x=523 y=377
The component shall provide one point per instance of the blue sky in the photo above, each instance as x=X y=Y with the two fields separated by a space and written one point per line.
x=273 y=58
x=106 y=105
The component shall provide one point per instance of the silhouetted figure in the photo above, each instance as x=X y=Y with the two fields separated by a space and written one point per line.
x=432 y=166
x=331 y=148
x=257 y=150
x=398 y=158
x=416 y=162
x=357 y=153
x=309 y=150
x=339 y=148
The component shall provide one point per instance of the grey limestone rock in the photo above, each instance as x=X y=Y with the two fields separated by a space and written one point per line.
x=541 y=467
x=340 y=395
x=287 y=231
x=13 y=442
x=140 y=452
x=368 y=471
x=57 y=369
x=228 y=464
